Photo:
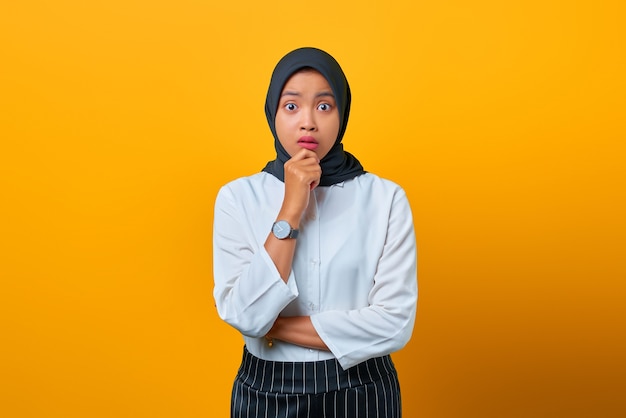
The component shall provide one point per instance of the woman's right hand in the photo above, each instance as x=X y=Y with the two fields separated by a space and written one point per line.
x=302 y=174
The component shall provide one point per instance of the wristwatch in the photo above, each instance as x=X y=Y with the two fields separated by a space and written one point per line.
x=282 y=230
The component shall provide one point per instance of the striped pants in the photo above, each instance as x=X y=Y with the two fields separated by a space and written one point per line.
x=321 y=389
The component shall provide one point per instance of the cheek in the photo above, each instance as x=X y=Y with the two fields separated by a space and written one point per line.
x=282 y=128
x=278 y=122
x=283 y=122
x=335 y=126
x=279 y=126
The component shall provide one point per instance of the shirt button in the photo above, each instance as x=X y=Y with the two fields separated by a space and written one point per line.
x=310 y=350
x=311 y=306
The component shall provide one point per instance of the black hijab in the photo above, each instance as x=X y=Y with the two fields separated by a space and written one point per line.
x=338 y=165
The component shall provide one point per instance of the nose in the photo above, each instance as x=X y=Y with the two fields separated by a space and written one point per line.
x=307 y=123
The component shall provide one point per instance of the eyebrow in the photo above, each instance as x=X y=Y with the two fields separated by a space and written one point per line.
x=295 y=93
x=325 y=94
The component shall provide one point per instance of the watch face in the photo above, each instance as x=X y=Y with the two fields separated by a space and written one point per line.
x=281 y=229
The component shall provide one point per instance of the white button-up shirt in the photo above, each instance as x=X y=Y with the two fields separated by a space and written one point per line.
x=353 y=272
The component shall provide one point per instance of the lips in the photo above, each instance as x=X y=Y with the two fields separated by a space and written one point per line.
x=308 y=142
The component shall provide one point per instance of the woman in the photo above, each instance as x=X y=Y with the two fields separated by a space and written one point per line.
x=314 y=261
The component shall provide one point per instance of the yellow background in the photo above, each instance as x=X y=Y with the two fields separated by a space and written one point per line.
x=503 y=120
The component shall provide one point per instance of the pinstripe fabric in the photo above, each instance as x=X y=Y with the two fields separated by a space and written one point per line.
x=321 y=389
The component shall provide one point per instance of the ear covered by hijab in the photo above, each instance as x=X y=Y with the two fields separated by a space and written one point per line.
x=338 y=165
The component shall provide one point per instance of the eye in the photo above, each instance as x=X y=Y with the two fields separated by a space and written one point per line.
x=291 y=107
x=324 y=107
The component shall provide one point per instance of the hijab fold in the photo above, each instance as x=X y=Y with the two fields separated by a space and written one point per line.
x=338 y=165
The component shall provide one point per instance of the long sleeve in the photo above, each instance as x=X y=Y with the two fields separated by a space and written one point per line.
x=385 y=325
x=249 y=292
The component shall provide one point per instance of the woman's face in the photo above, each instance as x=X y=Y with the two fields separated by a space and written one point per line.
x=307 y=115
